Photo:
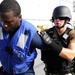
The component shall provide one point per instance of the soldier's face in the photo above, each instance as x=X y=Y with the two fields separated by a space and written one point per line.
x=59 y=21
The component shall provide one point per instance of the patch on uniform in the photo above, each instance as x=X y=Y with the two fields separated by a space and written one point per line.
x=1 y=34
x=65 y=36
x=22 y=41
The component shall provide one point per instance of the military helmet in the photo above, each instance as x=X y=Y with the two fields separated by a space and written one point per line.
x=62 y=11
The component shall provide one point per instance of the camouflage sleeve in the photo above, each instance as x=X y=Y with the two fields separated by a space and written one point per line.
x=72 y=34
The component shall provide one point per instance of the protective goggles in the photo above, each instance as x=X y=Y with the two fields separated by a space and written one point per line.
x=60 y=18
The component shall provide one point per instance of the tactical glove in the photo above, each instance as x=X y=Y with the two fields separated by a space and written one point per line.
x=9 y=50
x=46 y=38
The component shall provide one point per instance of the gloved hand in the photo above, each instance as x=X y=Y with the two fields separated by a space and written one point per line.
x=55 y=47
x=9 y=50
x=46 y=38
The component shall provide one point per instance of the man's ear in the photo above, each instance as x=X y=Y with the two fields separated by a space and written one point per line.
x=67 y=20
x=20 y=17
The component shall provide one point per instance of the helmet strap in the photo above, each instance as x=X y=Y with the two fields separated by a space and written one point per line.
x=59 y=27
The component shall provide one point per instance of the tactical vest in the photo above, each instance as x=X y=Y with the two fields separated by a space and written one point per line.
x=56 y=63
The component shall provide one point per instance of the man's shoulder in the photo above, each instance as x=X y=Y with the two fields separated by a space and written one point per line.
x=72 y=32
x=72 y=36
x=50 y=30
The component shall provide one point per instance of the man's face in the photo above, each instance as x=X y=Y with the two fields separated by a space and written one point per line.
x=9 y=21
x=59 y=21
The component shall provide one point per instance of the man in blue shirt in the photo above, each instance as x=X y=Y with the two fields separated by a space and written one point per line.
x=18 y=41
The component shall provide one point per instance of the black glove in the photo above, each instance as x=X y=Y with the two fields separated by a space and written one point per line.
x=55 y=47
x=9 y=50
x=46 y=38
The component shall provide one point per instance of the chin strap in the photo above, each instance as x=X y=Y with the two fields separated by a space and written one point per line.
x=59 y=27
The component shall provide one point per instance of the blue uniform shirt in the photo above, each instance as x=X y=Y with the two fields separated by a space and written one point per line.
x=37 y=42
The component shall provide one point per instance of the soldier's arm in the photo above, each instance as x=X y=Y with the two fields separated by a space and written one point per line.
x=67 y=53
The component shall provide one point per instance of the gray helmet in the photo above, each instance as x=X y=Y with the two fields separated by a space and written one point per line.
x=62 y=11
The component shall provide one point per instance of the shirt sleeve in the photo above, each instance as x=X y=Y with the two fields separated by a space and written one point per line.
x=37 y=42
x=72 y=35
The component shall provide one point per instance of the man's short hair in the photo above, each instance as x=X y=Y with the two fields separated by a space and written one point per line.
x=10 y=5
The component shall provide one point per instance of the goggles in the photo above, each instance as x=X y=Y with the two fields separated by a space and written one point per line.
x=60 y=18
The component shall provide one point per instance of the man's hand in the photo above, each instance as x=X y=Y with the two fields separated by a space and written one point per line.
x=55 y=47
x=46 y=38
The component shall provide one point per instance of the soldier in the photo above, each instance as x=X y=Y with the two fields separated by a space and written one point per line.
x=61 y=40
